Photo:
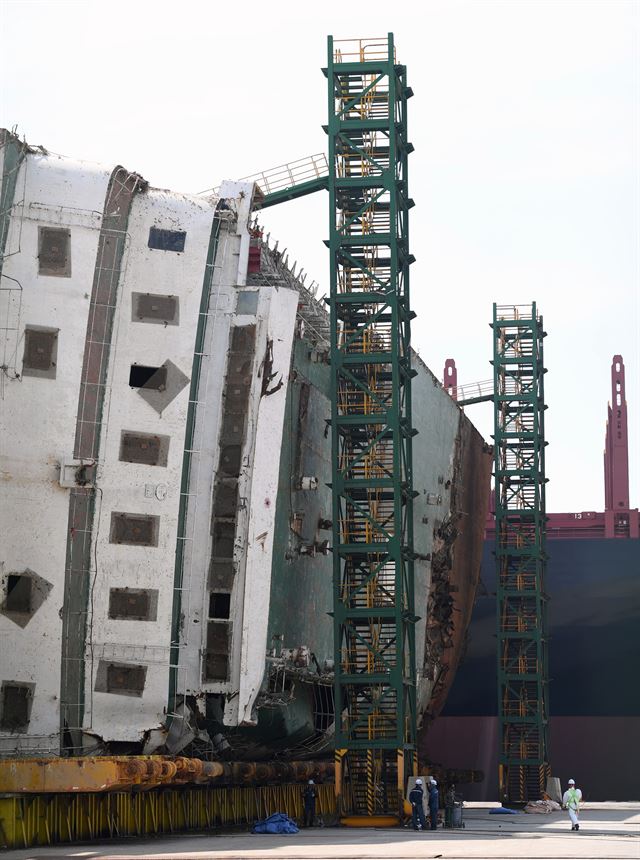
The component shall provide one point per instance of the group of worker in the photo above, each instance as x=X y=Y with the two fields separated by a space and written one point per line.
x=570 y=801
x=416 y=799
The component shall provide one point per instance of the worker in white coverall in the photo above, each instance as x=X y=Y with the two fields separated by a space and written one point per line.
x=571 y=801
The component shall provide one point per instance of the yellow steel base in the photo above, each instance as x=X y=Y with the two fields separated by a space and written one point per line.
x=101 y=773
x=44 y=819
x=119 y=773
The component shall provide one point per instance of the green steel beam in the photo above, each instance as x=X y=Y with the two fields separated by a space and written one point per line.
x=372 y=484
x=293 y=192
x=470 y=400
x=519 y=469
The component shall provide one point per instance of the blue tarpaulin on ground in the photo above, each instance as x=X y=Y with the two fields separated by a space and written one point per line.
x=502 y=810
x=276 y=823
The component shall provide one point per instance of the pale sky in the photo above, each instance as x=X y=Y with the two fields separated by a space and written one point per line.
x=526 y=171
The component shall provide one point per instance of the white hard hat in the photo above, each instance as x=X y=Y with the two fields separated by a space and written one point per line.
x=418 y=782
x=311 y=782
x=572 y=782
x=432 y=781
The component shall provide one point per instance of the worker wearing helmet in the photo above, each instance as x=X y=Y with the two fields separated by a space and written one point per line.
x=571 y=801
x=416 y=799
x=434 y=802
x=309 y=798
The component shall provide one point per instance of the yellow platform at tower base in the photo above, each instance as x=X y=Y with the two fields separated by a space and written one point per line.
x=370 y=821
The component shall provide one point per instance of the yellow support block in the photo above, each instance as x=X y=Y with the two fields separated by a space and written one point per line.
x=101 y=773
x=114 y=773
x=42 y=775
x=29 y=820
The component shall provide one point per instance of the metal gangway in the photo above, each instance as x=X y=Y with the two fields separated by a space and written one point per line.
x=291 y=180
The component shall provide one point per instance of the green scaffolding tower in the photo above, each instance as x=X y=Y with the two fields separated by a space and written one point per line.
x=520 y=552
x=375 y=678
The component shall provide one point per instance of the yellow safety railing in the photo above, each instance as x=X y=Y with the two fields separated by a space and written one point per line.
x=361 y=50
x=524 y=664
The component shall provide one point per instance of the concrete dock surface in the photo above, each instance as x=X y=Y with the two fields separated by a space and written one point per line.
x=607 y=830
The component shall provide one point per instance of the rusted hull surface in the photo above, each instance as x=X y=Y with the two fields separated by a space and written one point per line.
x=451 y=476
x=456 y=564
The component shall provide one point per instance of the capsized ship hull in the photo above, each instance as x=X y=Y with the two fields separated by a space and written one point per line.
x=452 y=468
x=165 y=409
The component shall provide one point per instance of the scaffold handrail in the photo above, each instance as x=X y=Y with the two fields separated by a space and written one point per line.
x=470 y=390
x=291 y=174
x=362 y=50
x=514 y=312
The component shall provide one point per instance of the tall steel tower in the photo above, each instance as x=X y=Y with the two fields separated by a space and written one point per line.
x=373 y=557
x=523 y=707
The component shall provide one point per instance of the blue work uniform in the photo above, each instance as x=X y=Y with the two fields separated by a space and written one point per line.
x=416 y=796
x=309 y=797
x=434 y=803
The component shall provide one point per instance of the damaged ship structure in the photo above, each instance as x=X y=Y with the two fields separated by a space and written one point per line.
x=166 y=581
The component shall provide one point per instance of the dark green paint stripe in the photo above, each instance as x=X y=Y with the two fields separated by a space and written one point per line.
x=121 y=190
x=186 y=465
